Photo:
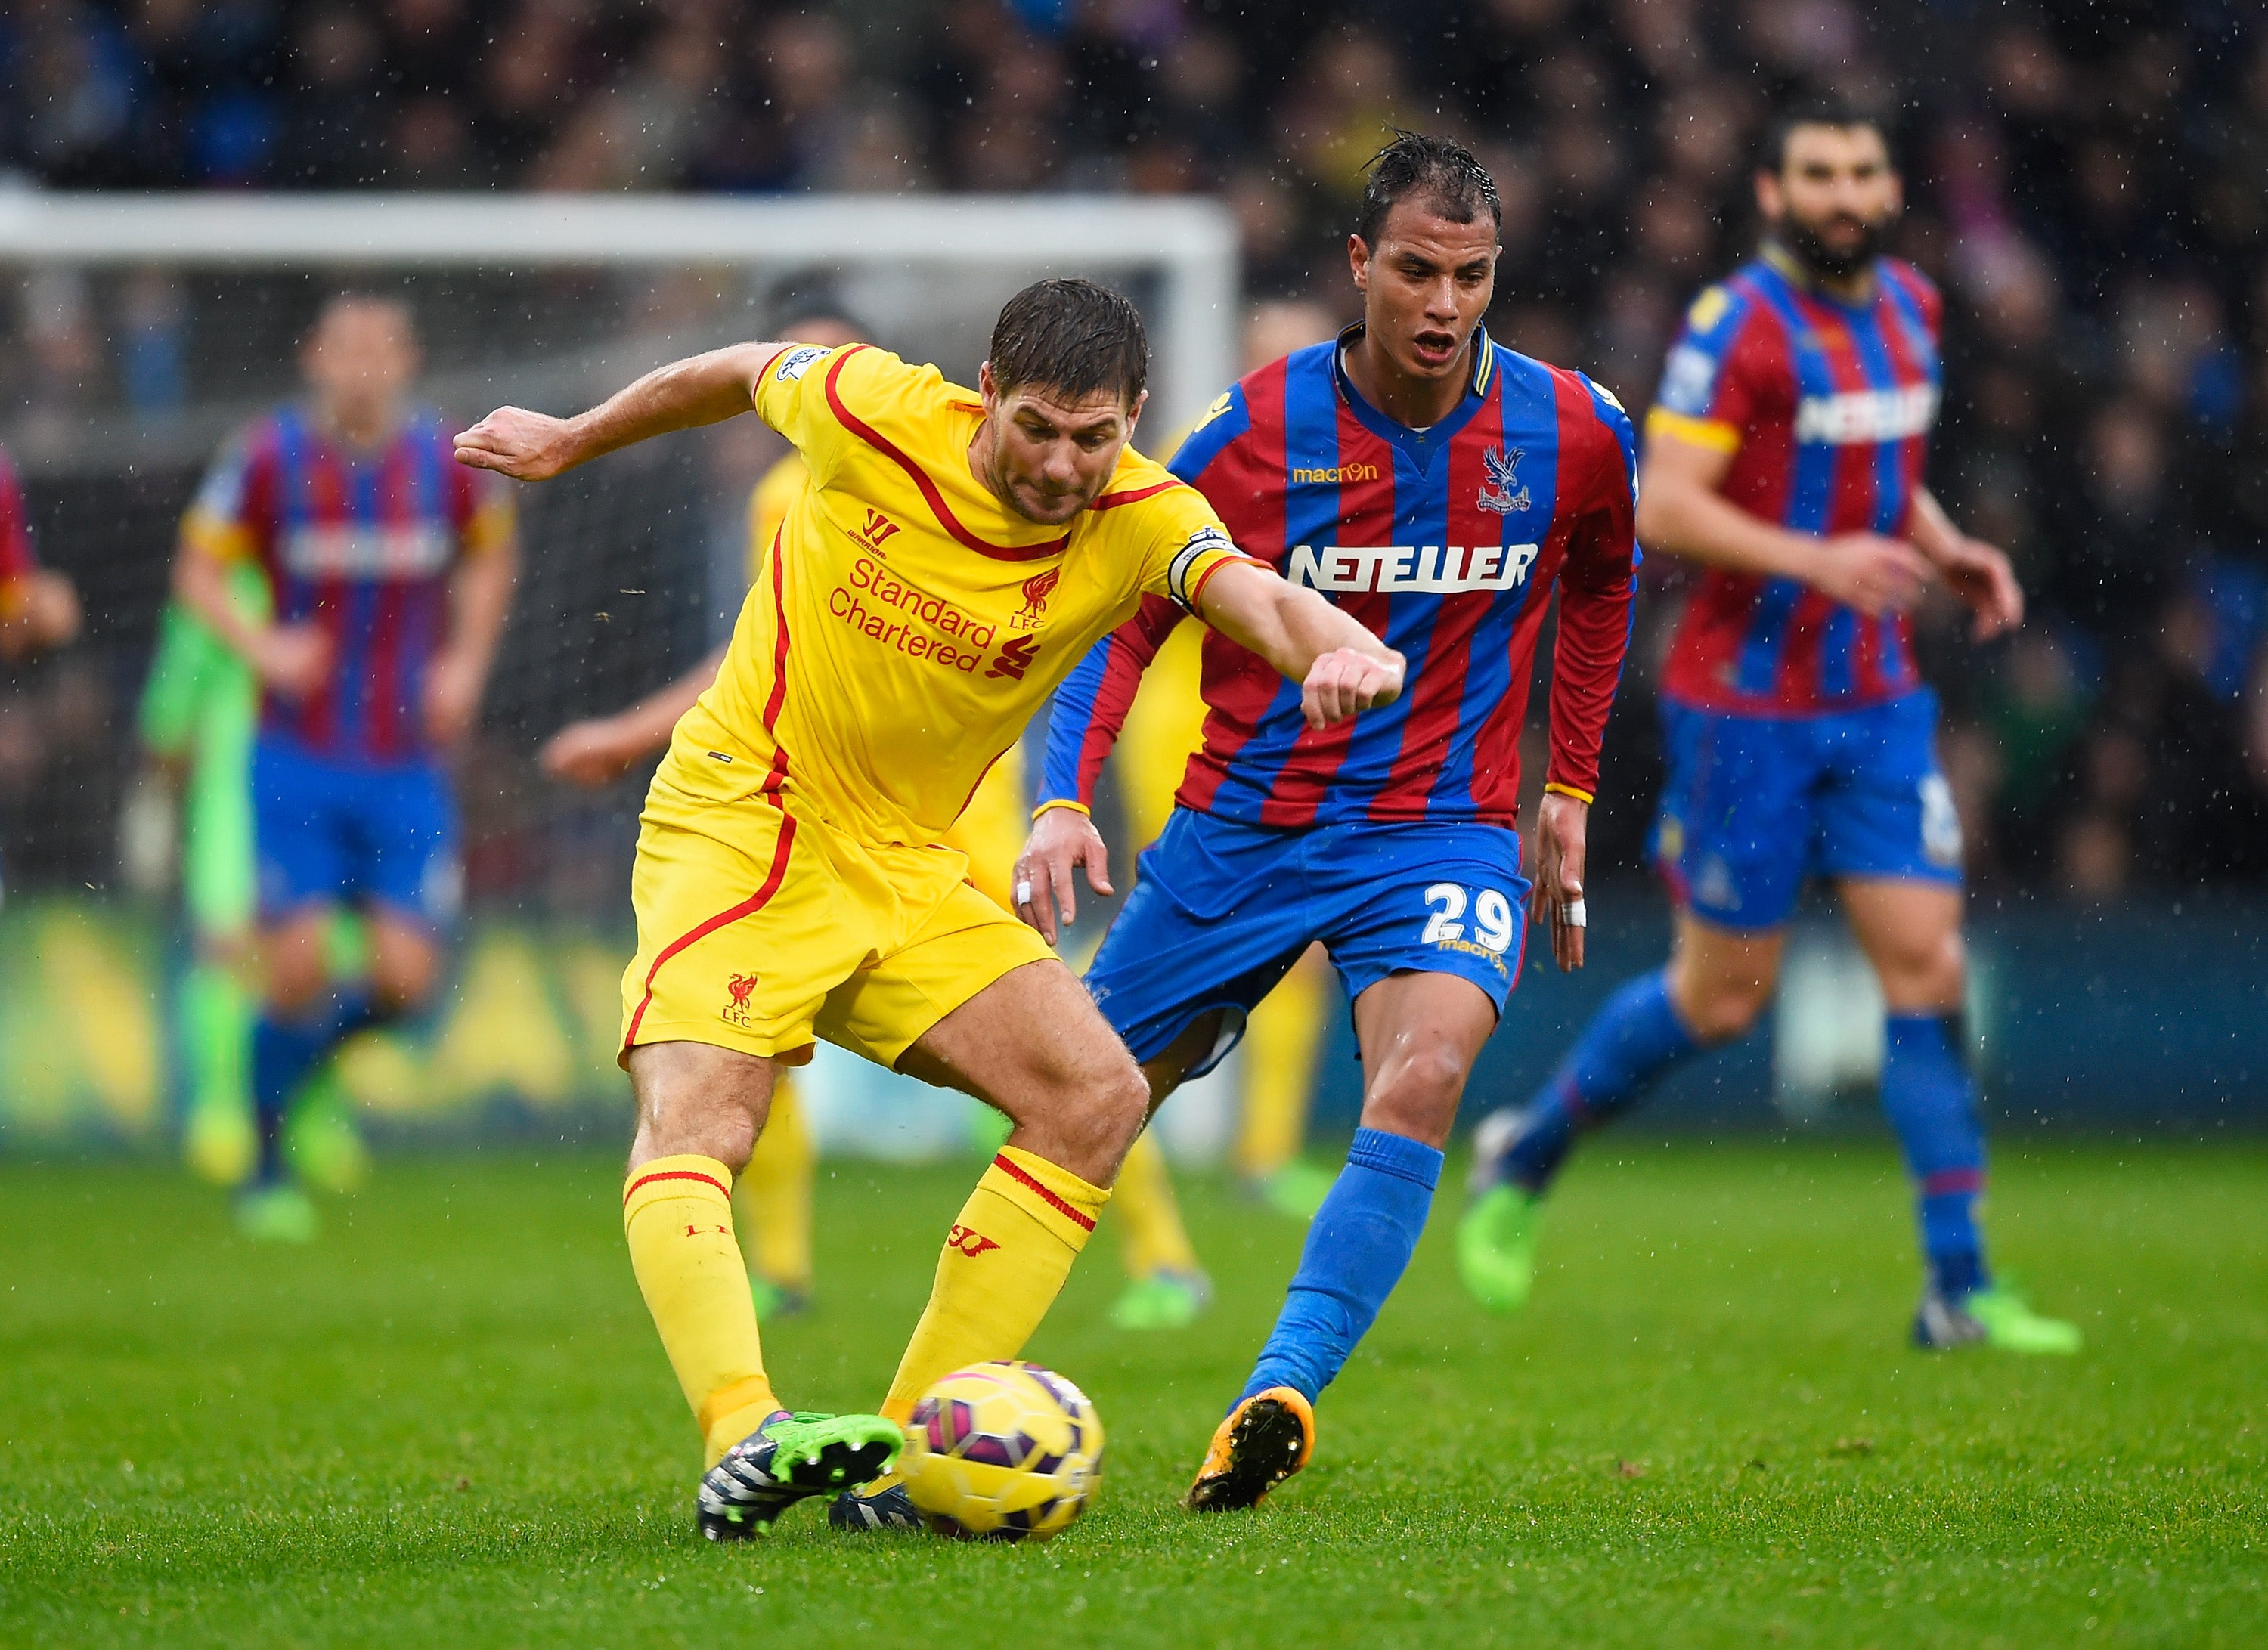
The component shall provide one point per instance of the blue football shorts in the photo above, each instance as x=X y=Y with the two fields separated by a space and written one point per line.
x=1220 y=912
x=331 y=831
x=1755 y=804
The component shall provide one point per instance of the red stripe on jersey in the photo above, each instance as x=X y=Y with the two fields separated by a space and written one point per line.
x=382 y=710
x=1365 y=517
x=777 y=697
x=1762 y=474
x=1438 y=694
x=1132 y=496
x=1501 y=728
x=935 y=499
x=748 y=907
x=1246 y=478
x=1851 y=496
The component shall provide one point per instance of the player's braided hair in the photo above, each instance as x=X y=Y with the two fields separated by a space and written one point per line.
x=1438 y=170
x=1073 y=337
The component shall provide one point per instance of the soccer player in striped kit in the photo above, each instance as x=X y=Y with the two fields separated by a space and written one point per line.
x=1783 y=456
x=1436 y=486
x=390 y=568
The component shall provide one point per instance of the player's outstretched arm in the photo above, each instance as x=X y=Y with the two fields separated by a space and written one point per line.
x=1681 y=512
x=1978 y=573
x=1341 y=667
x=702 y=389
x=599 y=749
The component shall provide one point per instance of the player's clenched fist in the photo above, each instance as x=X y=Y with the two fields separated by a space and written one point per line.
x=1346 y=681
x=529 y=446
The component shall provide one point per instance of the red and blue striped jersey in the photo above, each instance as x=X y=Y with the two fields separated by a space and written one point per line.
x=362 y=544
x=17 y=564
x=1446 y=542
x=1826 y=409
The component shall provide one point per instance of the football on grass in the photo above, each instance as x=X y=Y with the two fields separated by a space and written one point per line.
x=1003 y=1452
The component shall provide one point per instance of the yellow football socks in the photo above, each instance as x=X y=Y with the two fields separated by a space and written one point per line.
x=1283 y=1038
x=1152 y=1238
x=774 y=1194
x=1004 y=1260
x=677 y=1212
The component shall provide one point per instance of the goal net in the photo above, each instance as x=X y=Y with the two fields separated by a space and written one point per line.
x=138 y=333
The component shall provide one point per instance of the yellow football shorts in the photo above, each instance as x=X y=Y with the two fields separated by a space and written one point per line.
x=760 y=927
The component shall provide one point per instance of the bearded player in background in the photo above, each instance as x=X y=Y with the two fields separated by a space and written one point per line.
x=1783 y=457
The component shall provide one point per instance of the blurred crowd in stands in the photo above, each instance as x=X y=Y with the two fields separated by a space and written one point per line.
x=2088 y=182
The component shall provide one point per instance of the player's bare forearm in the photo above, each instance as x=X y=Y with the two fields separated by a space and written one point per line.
x=1341 y=665
x=480 y=596
x=599 y=750
x=201 y=584
x=1681 y=512
x=1976 y=573
x=702 y=389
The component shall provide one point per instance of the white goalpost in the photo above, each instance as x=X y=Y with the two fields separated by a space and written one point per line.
x=1191 y=243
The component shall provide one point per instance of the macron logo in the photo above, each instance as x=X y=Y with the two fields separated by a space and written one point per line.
x=1442 y=569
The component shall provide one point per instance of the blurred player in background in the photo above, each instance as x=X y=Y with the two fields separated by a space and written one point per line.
x=1785 y=455
x=1483 y=479
x=1167 y=1286
x=951 y=558
x=199 y=713
x=39 y=609
x=389 y=571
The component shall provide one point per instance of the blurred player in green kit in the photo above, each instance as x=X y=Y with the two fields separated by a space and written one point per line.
x=199 y=710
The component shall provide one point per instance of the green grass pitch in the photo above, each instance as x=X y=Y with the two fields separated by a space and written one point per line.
x=449 y=1423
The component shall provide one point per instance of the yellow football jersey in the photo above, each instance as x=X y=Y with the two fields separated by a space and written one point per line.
x=904 y=625
x=991 y=831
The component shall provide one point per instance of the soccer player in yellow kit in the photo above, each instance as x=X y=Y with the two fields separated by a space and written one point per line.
x=773 y=1194
x=953 y=558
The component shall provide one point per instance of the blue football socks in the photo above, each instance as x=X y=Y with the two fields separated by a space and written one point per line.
x=1930 y=1103
x=1358 y=1246
x=285 y=1054
x=1627 y=1048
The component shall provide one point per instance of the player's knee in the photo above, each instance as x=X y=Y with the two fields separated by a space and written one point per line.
x=1723 y=1010
x=1933 y=974
x=1417 y=1094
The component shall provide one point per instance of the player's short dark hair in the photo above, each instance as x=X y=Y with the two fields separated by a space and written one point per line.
x=1073 y=337
x=1438 y=171
x=805 y=298
x=1839 y=113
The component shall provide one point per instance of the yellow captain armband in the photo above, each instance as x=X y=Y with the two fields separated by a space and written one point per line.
x=1062 y=801
x=1700 y=432
x=1555 y=789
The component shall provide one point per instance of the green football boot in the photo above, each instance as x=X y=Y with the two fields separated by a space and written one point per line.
x=791 y=1458
x=275 y=1214
x=776 y=1299
x=1997 y=1317
x=321 y=1139
x=1297 y=1190
x=1165 y=1300
x=1496 y=1247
